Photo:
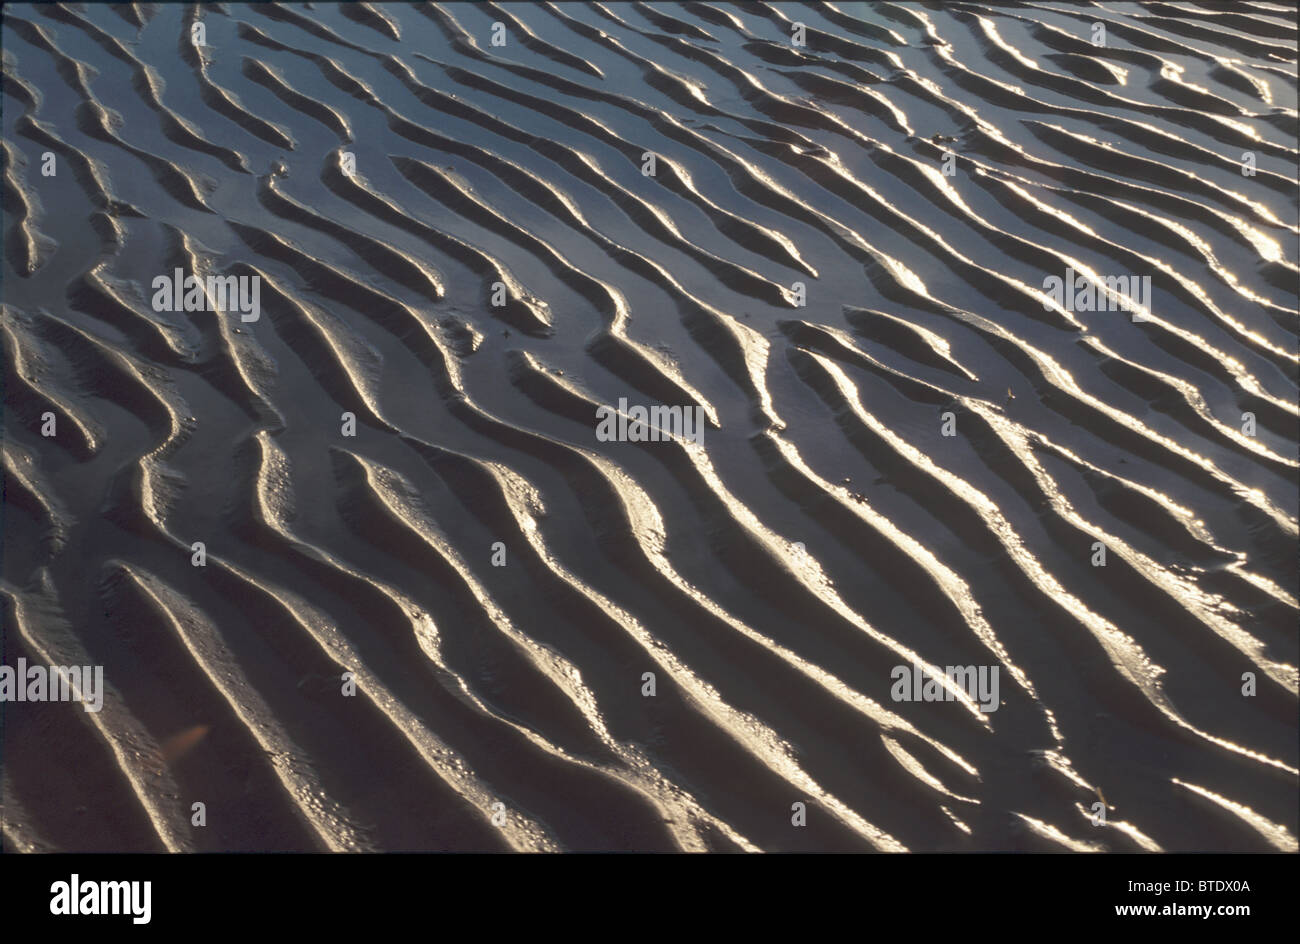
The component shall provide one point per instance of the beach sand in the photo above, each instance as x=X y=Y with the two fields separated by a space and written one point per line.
x=433 y=610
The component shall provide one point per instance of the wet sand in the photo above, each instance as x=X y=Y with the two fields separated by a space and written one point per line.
x=910 y=456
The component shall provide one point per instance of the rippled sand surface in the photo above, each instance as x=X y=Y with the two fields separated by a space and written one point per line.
x=912 y=455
